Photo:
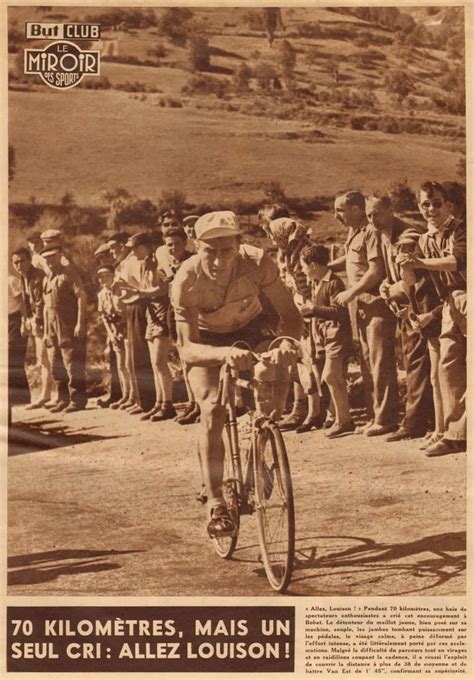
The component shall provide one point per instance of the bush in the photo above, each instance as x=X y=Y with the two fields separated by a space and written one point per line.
x=199 y=53
x=399 y=83
x=274 y=192
x=159 y=51
x=310 y=29
x=242 y=77
x=174 y=24
x=389 y=124
x=265 y=75
x=101 y=83
x=131 y=87
x=206 y=85
x=172 y=200
x=402 y=197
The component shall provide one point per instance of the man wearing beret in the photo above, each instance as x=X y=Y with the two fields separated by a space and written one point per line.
x=216 y=299
x=65 y=330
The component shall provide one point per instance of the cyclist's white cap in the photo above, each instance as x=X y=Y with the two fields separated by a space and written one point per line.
x=217 y=224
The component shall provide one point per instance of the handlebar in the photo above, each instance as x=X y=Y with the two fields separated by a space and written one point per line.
x=265 y=363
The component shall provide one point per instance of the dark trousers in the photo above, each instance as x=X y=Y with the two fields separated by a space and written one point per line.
x=114 y=391
x=419 y=409
x=139 y=353
x=376 y=326
x=18 y=391
x=68 y=368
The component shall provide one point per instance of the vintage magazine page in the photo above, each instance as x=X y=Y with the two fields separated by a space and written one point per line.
x=235 y=364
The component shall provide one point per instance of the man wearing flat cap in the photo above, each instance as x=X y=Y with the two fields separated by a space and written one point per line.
x=65 y=330
x=216 y=299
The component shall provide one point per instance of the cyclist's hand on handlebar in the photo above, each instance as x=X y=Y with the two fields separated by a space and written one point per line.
x=240 y=359
x=285 y=354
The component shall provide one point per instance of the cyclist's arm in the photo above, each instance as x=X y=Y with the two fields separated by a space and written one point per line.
x=291 y=321
x=194 y=353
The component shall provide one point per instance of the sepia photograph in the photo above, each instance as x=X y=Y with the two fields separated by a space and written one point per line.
x=236 y=302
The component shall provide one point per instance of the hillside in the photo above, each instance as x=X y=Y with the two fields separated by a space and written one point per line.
x=336 y=101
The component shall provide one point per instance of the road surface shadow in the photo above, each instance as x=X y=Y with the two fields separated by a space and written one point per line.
x=48 y=566
x=42 y=436
x=431 y=560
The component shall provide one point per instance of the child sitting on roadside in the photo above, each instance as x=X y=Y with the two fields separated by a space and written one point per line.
x=332 y=332
x=110 y=309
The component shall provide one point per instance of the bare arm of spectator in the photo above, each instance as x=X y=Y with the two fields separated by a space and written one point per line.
x=338 y=265
x=372 y=277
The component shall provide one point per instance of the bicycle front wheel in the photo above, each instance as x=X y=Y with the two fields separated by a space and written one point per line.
x=274 y=506
x=225 y=545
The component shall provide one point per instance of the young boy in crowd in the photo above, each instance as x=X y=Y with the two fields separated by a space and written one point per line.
x=111 y=311
x=332 y=332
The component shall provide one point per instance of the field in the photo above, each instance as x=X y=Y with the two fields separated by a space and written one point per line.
x=86 y=142
x=225 y=144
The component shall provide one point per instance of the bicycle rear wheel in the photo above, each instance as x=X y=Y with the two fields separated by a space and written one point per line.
x=225 y=545
x=274 y=506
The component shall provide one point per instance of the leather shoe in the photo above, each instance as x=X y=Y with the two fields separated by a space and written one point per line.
x=291 y=422
x=444 y=447
x=166 y=412
x=135 y=410
x=151 y=412
x=377 y=430
x=72 y=408
x=403 y=433
x=189 y=417
x=340 y=428
x=36 y=404
x=221 y=523
x=60 y=406
x=309 y=423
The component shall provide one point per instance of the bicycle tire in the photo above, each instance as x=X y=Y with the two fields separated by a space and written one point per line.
x=225 y=545
x=274 y=506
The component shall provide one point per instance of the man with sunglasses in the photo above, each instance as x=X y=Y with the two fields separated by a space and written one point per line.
x=442 y=252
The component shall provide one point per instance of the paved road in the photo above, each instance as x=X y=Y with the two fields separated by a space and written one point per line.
x=102 y=504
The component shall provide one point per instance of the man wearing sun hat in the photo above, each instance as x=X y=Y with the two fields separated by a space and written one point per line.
x=216 y=298
x=65 y=330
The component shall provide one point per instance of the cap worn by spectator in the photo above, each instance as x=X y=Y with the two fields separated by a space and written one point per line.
x=103 y=248
x=50 y=250
x=140 y=239
x=51 y=235
x=216 y=225
x=119 y=237
x=104 y=268
x=190 y=220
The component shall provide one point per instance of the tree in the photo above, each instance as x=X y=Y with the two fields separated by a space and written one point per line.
x=287 y=60
x=399 y=83
x=11 y=162
x=242 y=77
x=174 y=23
x=172 y=200
x=199 y=53
x=126 y=210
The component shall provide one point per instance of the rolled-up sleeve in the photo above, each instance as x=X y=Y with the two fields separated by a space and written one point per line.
x=183 y=297
x=458 y=248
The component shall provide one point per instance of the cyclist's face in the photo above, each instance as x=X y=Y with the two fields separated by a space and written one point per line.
x=217 y=256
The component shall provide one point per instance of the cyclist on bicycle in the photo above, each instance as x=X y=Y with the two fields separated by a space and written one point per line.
x=216 y=297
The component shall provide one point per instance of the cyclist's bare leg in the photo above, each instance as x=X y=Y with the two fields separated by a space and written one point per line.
x=204 y=382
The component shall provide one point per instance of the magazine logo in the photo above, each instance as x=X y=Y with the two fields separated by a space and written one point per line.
x=62 y=64
x=42 y=31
